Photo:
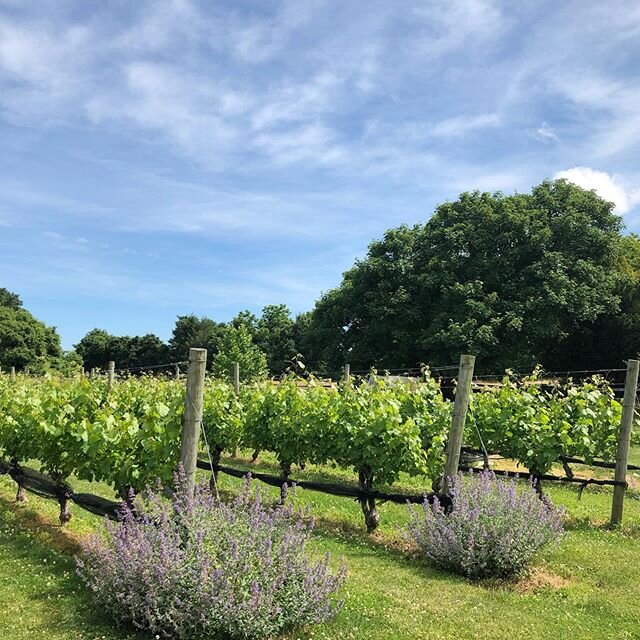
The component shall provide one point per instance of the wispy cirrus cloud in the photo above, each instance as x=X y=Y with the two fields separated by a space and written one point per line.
x=276 y=132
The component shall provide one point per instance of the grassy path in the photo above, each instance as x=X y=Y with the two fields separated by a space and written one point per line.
x=588 y=588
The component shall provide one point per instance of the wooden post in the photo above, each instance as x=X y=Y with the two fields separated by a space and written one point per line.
x=13 y=373
x=347 y=373
x=236 y=377
x=26 y=371
x=192 y=419
x=624 y=439
x=92 y=373
x=177 y=371
x=461 y=404
x=111 y=373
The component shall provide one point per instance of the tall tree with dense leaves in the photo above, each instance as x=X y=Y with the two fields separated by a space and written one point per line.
x=508 y=278
x=615 y=335
x=24 y=340
x=191 y=331
x=274 y=333
x=236 y=345
x=276 y=337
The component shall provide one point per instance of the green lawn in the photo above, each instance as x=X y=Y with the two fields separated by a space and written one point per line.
x=588 y=588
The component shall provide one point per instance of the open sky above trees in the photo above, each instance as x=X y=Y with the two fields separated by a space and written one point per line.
x=162 y=158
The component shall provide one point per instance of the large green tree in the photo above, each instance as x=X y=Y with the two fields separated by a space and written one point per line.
x=509 y=278
x=274 y=332
x=192 y=331
x=24 y=340
x=236 y=345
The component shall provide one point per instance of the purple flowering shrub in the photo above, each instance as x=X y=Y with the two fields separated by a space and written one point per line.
x=492 y=530
x=199 y=568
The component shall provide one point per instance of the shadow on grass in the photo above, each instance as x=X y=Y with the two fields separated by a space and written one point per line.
x=38 y=578
x=43 y=530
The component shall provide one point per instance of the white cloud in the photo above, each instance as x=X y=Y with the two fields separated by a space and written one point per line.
x=545 y=133
x=460 y=125
x=609 y=187
x=449 y=25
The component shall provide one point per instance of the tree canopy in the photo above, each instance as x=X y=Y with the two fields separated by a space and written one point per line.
x=236 y=345
x=545 y=277
x=508 y=278
x=98 y=347
x=24 y=340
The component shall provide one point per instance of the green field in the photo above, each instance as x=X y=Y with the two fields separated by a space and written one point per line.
x=589 y=587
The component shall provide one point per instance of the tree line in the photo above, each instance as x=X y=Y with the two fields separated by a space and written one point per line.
x=548 y=277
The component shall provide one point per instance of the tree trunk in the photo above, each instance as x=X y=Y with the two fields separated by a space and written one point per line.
x=65 y=511
x=21 y=495
x=536 y=482
x=215 y=460
x=127 y=495
x=285 y=472
x=368 y=505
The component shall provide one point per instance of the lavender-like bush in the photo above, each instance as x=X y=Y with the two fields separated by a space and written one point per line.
x=492 y=530
x=198 y=568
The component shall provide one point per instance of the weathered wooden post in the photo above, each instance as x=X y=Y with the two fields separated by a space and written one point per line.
x=236 y=377
x=236 y=388
x=461 y=404
x=192 y=419
x=346 y=374
x=177 y=371
x=13 y=373
x=111 y=374
x=624 y=439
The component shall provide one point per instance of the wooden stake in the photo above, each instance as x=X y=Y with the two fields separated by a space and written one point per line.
x=346 y=373
x=624 y=439
x=236 y=377
x=461 y=404
x=13 y=373
x=192 y=419
x=111 y=374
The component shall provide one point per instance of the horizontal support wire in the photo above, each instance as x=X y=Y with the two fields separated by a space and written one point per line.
x=526 y=475
x=595 y=463
x=325 y=487
x=152 y=366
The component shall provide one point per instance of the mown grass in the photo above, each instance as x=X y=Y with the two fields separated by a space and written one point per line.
x=588 y=587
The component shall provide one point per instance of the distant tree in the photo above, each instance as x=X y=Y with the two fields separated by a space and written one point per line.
x=68 y=363
x=273 y=332
x=24 y=340
x=191 y=331
x=98 y=347
x=508 y=278
x=249 y=320
x=236 y=345
x=140 y=351
x=276 y=337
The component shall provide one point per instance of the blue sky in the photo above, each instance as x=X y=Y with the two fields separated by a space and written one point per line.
x=169 y=157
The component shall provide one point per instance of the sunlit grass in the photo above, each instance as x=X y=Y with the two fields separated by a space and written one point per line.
x=587 y=587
